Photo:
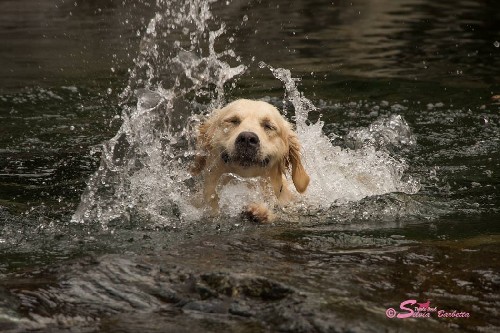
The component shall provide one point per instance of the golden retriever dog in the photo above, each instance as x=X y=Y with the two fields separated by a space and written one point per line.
x=249 y=139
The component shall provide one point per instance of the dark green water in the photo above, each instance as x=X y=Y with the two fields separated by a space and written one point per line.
x=62 y=67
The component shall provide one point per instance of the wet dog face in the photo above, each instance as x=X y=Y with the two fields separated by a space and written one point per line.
x=251 y=135
x=251 y=139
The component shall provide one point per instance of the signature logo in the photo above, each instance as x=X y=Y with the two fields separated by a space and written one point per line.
x=412 y=309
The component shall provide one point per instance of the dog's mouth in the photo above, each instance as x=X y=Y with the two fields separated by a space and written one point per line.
x=245 y=159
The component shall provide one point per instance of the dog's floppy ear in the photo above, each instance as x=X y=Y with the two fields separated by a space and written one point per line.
x=299 y=175
x=203 y=146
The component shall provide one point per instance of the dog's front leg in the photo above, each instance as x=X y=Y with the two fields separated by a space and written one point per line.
x=258 y=212
x=209 y=190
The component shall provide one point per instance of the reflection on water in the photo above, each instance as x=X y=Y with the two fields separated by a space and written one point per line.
x=311 y=280
x=379 y=72
x=447 y=41
x=419 y=40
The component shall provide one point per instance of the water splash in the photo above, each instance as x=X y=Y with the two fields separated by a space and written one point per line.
x=175 y=81
x=342 y=175
x=142 y=171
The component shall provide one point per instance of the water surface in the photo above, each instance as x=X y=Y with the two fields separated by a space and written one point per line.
x=68 y=72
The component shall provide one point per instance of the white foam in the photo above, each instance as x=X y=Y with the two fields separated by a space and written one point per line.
x=340 y=175
x=236 y=193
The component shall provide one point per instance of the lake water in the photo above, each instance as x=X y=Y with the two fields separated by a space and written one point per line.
x=396 y=106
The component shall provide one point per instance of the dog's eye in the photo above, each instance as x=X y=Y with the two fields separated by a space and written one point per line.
x=269 y=126
x=233 y=120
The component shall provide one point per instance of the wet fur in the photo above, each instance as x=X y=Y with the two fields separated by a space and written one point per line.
x=278 y=153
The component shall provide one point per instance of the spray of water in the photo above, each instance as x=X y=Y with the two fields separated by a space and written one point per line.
x=143 y=167
x=342 y=175
x=175 y=82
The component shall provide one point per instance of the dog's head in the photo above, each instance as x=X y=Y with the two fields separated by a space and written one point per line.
x=250 y=138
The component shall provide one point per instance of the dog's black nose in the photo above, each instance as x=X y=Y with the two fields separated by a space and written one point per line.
x=248 y=139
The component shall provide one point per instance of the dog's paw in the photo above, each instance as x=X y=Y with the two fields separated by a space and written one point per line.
x=259 y=213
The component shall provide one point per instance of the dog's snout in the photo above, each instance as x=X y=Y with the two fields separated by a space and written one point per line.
x=246 y=149
x=248 y=139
